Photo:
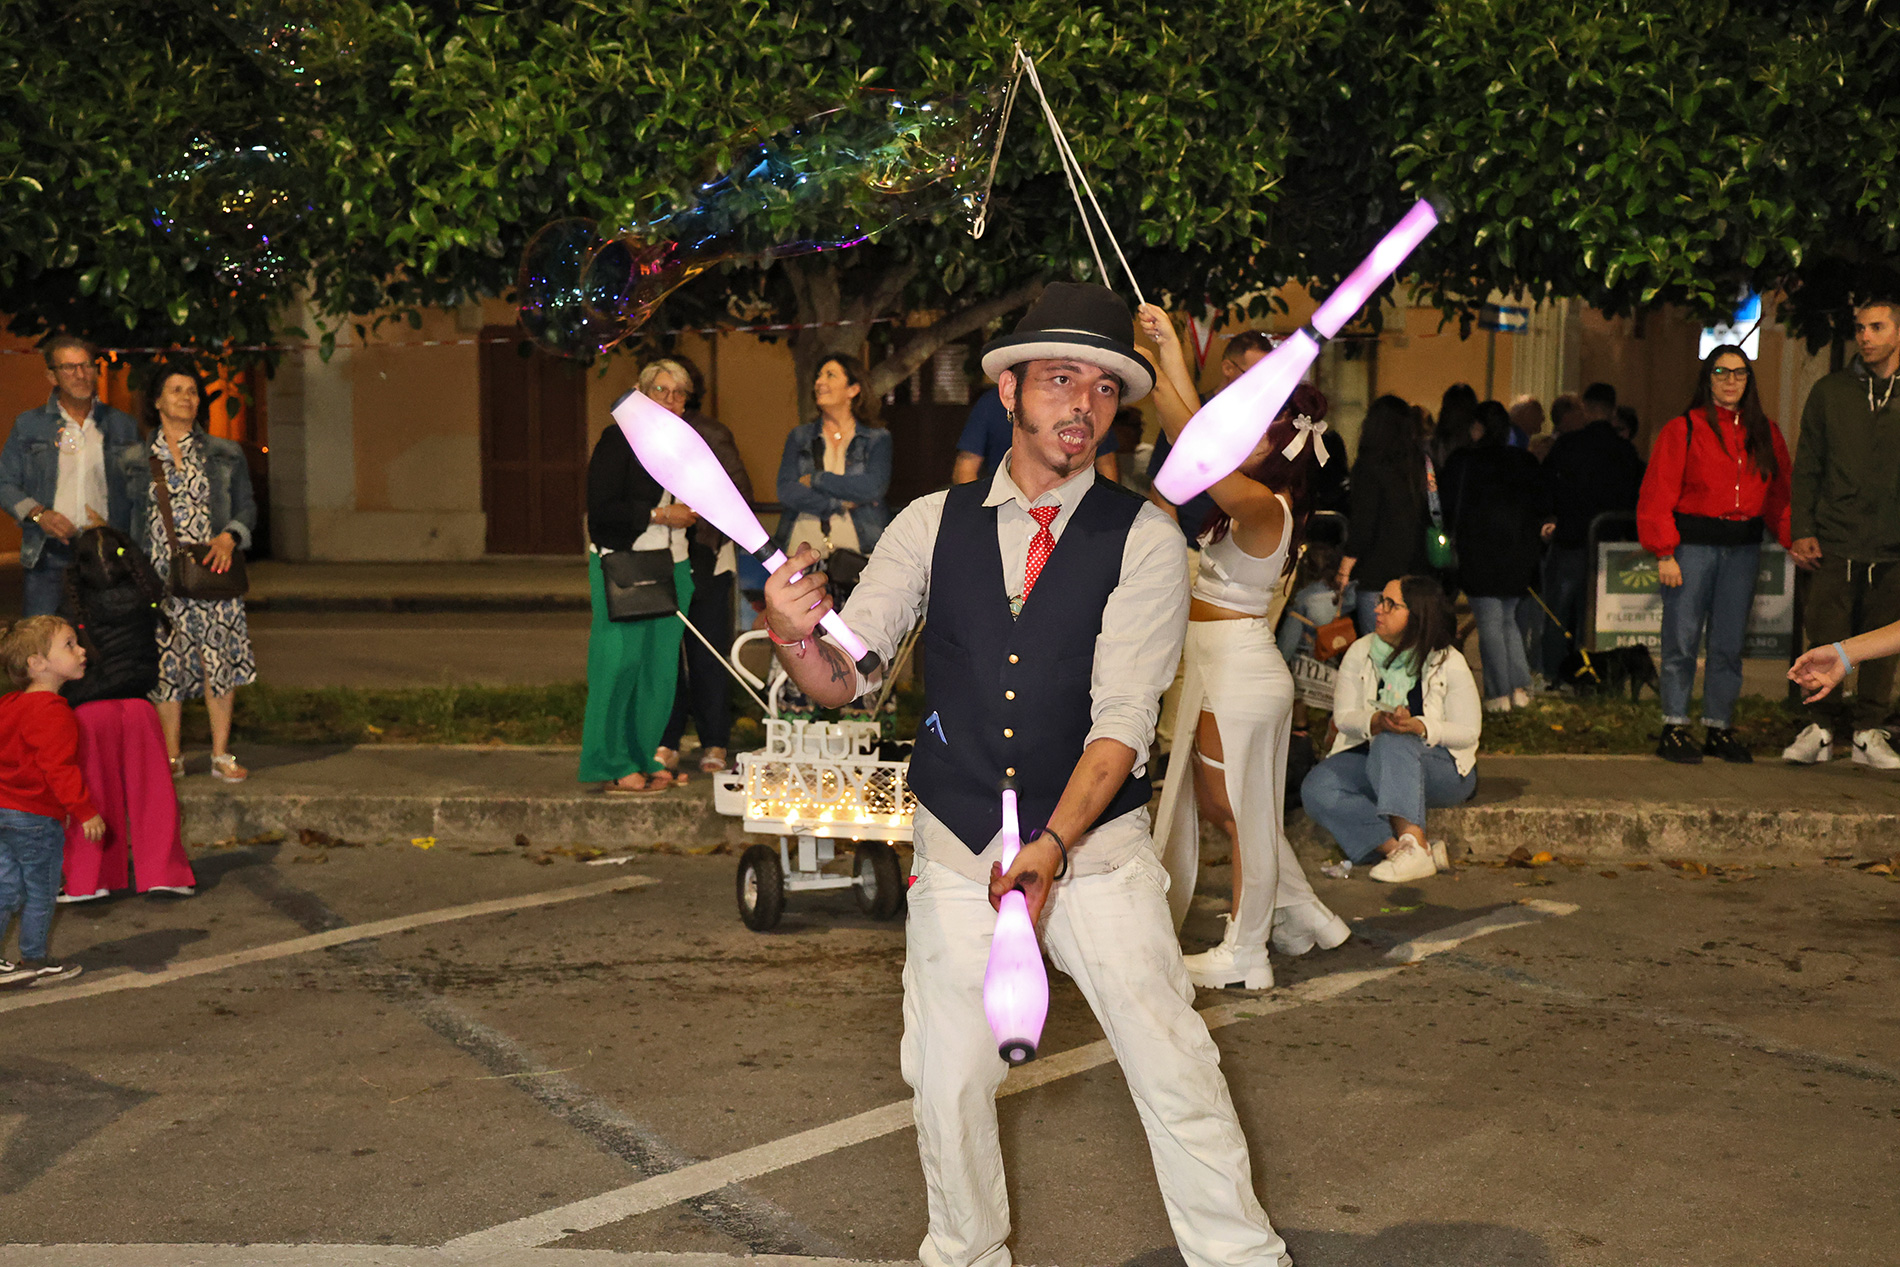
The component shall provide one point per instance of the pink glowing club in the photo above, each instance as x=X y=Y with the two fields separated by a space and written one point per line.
x=1015 y=985
x=1218 y=438
x=675 y=455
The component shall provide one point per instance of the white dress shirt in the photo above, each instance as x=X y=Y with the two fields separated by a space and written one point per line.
x=82 y=472
x=1143 y=626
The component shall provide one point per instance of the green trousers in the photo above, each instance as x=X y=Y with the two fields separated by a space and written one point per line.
x=632 y=667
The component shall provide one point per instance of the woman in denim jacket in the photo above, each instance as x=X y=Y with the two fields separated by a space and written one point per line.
x=208 y=650
x=836 y=469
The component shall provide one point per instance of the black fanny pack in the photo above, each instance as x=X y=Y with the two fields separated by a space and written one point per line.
x=1705 y=530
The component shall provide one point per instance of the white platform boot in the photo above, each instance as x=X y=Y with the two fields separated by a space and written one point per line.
x=1230 y=965
x=1308 y=926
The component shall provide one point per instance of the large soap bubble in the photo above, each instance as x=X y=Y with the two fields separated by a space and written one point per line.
x=232 y=205
x=827 y=183
x=299 y=43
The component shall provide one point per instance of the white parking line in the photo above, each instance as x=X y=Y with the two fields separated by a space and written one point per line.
x=703 y=1177
x=91 y=987
x=379 y=1256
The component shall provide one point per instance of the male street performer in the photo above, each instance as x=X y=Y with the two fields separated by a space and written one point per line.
x=1056 y=607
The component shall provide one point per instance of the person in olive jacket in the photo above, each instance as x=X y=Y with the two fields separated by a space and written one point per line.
x=1845 y=519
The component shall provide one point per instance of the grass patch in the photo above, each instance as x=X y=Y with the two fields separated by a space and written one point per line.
x=552 y=715
x=1556 y=724
x=445 y=714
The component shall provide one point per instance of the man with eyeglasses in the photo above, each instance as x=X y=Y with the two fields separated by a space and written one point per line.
x=60 y=472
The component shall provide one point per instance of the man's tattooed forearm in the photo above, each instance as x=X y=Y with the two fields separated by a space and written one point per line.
x=842 y=669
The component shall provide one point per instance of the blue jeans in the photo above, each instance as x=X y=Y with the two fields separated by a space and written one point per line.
x=1567 y=575
x=44 y=584
x=1355 y=795
x=32 y=848
x=1316 y=602
x=1718 y=588
x=1506 y=667
x=1366 y=609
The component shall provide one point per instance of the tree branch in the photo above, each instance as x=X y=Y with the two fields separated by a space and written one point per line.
x=921 y=346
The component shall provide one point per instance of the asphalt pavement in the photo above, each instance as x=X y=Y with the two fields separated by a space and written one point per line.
x=1655 y=1067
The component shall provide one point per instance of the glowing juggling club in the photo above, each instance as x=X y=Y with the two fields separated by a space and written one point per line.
x=675 y=455
x=1015 y=985
x=1218 y=438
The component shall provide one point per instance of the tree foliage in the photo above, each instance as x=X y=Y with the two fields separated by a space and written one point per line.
x=1631 y=152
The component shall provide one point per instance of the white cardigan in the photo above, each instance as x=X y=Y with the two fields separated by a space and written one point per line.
x=1453 y=717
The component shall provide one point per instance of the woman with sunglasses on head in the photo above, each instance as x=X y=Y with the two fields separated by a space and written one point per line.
x=1237 y=694
x=1407 y=710
x=1718 y=476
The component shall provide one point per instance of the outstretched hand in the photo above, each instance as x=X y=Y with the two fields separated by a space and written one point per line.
x=1817 y=672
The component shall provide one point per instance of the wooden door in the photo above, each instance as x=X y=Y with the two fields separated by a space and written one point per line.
x=534 y=446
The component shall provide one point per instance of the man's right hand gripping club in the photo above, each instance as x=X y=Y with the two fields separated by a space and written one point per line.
x=793 y=609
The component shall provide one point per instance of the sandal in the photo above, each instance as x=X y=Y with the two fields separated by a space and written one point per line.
x=619 y=787
x=225 y=769
x=660 y=780
x=669 y=759
x=178 y=767
x=713 y=760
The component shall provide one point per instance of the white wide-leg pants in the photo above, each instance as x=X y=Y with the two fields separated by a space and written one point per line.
x=1113 y=935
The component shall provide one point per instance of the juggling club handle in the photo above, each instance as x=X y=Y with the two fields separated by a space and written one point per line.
x=833 y=624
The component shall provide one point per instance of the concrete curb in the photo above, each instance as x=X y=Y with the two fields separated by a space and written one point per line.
x=1611 y=832
x=1597 y=832
x=586 y=819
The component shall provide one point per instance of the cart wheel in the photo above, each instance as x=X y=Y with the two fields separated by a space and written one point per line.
x=880 y=888
x=761 y=888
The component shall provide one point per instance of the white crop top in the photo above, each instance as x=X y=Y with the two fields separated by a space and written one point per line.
x=1230 y=577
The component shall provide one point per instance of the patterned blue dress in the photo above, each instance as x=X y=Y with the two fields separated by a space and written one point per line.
x=208 y=651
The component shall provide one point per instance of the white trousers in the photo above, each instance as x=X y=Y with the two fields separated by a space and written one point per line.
x=1235 y=672
x=1112 y=933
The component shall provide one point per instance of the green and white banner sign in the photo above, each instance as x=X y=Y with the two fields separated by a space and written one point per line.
x=1629 y=601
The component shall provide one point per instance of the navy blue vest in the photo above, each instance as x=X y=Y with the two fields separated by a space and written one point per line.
x=1010 y=697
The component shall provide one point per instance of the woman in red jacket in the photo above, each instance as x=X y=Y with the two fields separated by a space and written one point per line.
x=1718 y=476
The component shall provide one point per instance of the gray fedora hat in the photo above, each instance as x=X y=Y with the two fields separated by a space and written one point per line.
x=1076 y=321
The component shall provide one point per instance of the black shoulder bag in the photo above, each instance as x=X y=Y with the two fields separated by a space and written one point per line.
x=191 y=575
x=639 y=584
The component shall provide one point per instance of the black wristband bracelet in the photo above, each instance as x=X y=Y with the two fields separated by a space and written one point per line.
x=1050 y=832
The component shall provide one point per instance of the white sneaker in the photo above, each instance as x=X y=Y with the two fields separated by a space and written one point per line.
x=1871 y=748
x=1812 y=745
x=1441 y=856
x=1498 y=704
x=1520 y=698
x=1230 y=965
x=1308 y=926
x=1410 y=861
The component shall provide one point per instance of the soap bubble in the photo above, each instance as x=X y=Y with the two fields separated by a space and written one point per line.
x=298 y=42
x=827 y=183
x=233 y=205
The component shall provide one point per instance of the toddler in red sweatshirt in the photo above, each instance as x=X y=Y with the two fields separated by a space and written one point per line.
x=40 y=786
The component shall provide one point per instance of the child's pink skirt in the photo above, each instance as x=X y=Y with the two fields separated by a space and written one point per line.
x=122 y=756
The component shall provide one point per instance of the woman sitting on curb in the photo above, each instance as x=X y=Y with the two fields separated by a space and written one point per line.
x=1407 y=710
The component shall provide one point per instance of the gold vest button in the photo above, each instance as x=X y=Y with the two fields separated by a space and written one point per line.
x=1009 y=695
x=1008 y=733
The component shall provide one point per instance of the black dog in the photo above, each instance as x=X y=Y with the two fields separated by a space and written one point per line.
x=1609 y=671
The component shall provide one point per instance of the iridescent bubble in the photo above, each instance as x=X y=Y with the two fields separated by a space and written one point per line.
x=300 y=42
x=827 y=183
x=233 y=205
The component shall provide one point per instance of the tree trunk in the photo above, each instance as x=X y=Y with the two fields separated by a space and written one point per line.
x=823 y=306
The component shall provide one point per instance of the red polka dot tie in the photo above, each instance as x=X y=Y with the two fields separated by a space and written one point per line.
x=1041 y=546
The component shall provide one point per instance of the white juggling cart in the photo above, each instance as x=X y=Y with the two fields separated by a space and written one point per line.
x=813 y=785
